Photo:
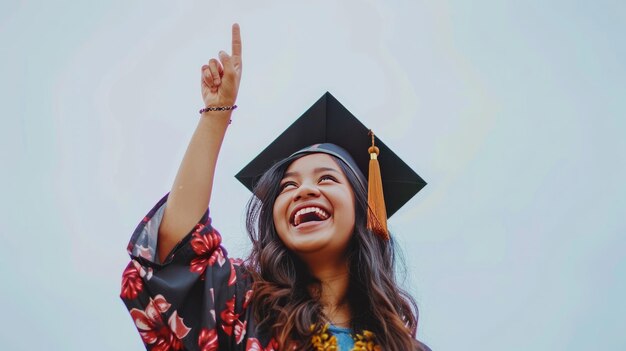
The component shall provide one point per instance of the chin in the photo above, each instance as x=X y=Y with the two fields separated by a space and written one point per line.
x=323 y=245
x=309 y=244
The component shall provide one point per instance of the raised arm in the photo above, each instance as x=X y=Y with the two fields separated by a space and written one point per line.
x=191 y=191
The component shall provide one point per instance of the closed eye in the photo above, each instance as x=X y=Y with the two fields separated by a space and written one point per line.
x=284 y=185
x=328 y=177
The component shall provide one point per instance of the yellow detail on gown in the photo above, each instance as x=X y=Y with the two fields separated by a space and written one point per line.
x=324 y=341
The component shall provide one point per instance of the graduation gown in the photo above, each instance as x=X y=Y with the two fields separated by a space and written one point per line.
x=196 y=299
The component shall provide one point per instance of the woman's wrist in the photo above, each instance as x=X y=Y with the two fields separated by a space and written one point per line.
x=218 y=108
x=220 y=117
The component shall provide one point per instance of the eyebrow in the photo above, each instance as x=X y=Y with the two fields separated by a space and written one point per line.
x=316 y=170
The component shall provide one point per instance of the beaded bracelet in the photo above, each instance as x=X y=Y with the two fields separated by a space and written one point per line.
x=218 y=108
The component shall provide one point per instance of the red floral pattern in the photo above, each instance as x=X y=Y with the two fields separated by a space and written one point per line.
x=153 y=330
x=229 y=316
x=201 y=283
x=233 y=276
x=240 y=331
x=253 y=344
x=207 y=248
x=207 y=341
x=132 y=284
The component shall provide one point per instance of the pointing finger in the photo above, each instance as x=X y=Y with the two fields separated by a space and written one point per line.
x=236 y=40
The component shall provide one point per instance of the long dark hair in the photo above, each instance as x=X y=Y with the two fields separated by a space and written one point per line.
x=283 y=303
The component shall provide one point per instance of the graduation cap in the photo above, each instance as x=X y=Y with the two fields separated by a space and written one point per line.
x=328 y=127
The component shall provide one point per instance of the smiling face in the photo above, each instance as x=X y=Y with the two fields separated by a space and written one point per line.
x=314 y=212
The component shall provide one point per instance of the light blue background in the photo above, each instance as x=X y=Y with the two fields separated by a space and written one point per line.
x=514 y=112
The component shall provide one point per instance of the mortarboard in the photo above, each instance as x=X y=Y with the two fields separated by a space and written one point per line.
x=326 y=125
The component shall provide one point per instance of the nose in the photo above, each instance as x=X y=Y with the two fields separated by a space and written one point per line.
x=306 y=190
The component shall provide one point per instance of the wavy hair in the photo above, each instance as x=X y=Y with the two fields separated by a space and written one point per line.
x=285 y=307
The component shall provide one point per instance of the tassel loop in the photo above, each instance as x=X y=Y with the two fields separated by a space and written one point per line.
x=377 y=214
x=374 y=152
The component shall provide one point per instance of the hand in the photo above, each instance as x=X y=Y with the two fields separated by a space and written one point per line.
x=220 y=79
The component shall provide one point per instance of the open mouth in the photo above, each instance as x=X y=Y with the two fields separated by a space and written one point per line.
x=309 y=214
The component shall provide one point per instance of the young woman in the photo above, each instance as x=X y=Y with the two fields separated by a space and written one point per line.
x=318 y=277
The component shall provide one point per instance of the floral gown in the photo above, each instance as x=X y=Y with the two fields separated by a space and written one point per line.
x=197 y=299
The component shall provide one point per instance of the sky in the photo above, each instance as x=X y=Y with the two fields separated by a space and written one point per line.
x=513 y=112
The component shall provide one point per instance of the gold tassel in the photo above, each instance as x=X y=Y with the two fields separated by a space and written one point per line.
x=377 y=214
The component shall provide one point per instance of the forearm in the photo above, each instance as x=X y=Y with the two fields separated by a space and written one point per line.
x=191 y=191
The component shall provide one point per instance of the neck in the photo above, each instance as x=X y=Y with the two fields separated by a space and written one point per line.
x=334 y=280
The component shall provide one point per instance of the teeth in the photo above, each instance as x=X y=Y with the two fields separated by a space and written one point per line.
x=321 y=213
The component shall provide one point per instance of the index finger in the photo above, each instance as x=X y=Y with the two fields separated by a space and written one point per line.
x=236 y=40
